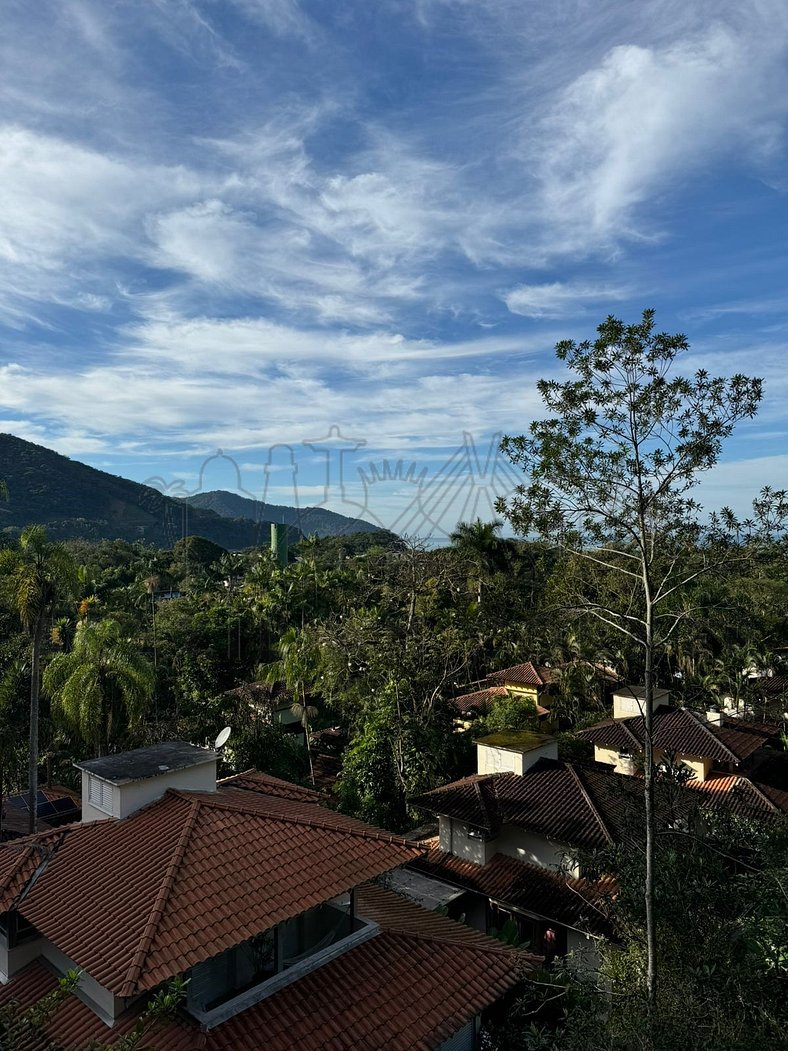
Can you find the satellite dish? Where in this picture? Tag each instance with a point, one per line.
(223, 738)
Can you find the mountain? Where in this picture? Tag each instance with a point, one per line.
(311, 521)
(76, 501)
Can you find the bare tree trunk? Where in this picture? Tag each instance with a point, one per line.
(648, 792)
(35, 690)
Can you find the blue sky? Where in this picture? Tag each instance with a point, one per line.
(237, 224)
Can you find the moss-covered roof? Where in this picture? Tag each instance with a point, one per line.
(516, 740)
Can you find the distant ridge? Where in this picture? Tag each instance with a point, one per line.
(312, 521)
(75, 501)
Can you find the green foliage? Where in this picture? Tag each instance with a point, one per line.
(513, 712)
(102, 686)
(19, 1026)
(723, 965)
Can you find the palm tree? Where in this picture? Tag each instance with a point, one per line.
(480, 543)
(36, 574)
(297, 669)
(102, 686)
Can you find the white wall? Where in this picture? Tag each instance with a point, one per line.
(631, 700)
(535, 848)
(128, 798)
(492, 759)
(455, 839)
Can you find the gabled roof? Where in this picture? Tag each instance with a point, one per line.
(743, 796)
(481, 700)
(685, 731)
(409, 988)
(527, 674)
(137, 901)
(267, 784)
(578, 903)
(551, 798)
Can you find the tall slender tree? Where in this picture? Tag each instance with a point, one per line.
(103, 686)
(610, 480)
(36, 574)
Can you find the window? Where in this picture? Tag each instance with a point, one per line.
(100, 794)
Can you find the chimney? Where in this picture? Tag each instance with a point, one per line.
(513, 751)
(117, 785)
(629, 701)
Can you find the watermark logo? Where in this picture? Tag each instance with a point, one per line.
(412, 498)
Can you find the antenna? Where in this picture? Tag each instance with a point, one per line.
(223, 738)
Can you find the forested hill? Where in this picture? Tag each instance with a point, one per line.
(76, 501)
(312, 521)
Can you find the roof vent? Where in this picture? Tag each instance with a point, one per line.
(117, 785)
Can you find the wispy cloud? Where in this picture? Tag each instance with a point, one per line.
(559, 299)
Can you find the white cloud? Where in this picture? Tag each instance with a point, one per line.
(558, 299)
(647, 117)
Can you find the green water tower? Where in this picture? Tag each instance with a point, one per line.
(279, 543)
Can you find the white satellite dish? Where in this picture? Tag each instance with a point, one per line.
(223, 738)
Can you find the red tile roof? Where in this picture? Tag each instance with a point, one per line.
(482, 700)
(551, 799)
(743, 796)
(137, 901)
(527, 674)
(578, 903)
(254, 781)
(685, 731)
(409, 988)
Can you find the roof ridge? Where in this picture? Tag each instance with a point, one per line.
(759, 792)
(423, 936)
(628, 729)
(704, 725)
(486, 814)
(578, 781)
(157, 909)
(362, 833)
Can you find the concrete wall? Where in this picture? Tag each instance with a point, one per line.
(128, 798)
(13, 960)
(699, 765)
(492, 759)
(455, 838)
(630, 700)
(605, 755)
(535, 848)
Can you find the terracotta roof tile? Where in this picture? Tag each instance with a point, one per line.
(527, 674)
(135, 902)
(254, 781)
(481, 700)
(685, 731)
(413, 985)
(551, 799)
(578, 903)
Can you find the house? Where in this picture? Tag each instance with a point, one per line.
(470, 706)
(257, 894)
(536, 682)
(707, 743)
(512, 834)
(271, 701)
(509, 837)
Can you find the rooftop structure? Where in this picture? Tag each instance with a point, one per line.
(259, 896)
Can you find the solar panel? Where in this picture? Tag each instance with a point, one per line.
(65, 805)
(57, 807)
